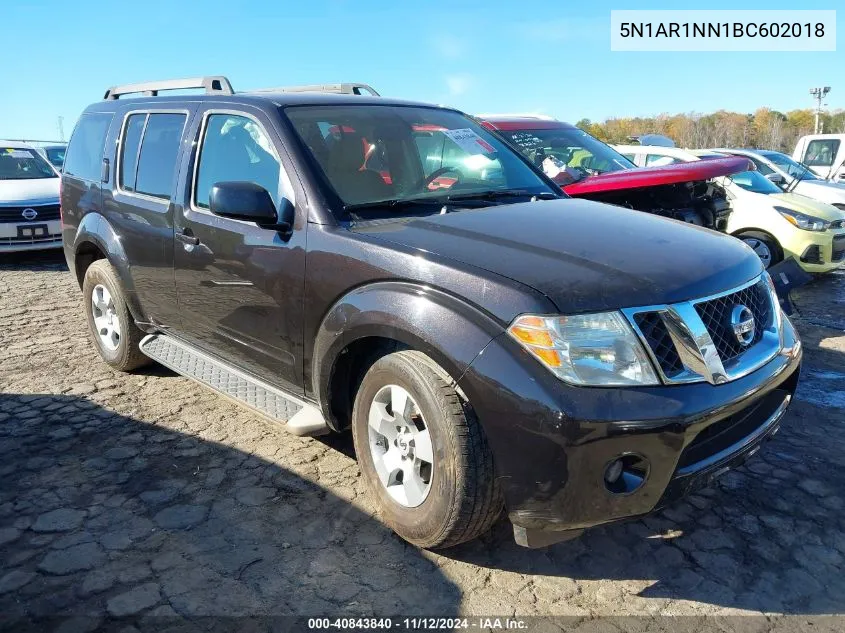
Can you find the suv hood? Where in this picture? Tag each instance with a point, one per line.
(807, 206)
(584, 256)
(29, 191)
(664, 175)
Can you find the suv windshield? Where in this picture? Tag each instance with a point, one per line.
(372, 154)
(790, 166)
(755, 182)
(22, 163)
(555, 149)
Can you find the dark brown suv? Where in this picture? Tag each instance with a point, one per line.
(342, 261)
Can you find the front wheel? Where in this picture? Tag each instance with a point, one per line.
(766, 248)
(422, 453)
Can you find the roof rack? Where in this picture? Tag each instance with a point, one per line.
(32, 141)
(344, 88)
(216, 84)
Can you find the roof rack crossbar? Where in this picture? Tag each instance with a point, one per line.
(342, 88)
(216, 84)
(32, 140)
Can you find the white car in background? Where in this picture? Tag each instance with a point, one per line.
(792, 176)
(777, 225)
(29, 200)
(53, 151)
(824, 154)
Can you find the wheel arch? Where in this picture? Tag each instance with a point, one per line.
(760, 233)
(96, 239)
(374, 320)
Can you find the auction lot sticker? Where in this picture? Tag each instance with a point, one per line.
(683, 30)
(469, 141)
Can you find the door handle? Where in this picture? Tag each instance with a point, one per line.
(187, 239)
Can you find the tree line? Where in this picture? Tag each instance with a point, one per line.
(765, 128)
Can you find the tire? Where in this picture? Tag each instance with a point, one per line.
(463, 499)
(125, 355)
(762, 243)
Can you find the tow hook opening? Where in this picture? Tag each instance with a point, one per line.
(625, 473)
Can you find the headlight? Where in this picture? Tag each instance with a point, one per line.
(586, 349)
(806, 222)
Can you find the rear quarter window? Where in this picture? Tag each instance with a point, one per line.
(84, 157)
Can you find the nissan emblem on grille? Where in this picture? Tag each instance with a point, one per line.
(742, 323)
(29, 214)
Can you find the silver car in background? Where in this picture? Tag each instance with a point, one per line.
(29, 200)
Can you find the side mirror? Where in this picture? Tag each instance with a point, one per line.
(775, 178)
(245, 201)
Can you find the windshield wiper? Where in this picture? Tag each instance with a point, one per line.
(500, 193)
(796, 180)
(394, 204)
(441, 201)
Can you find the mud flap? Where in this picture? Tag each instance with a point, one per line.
(787, 276)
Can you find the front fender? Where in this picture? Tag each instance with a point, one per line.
(94, 229)
(440, 325)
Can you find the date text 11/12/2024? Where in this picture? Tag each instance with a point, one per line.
(419, 624)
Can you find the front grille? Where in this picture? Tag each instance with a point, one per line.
(18, 241)
(838, 248)
(838, 224)
(732, 429)
(716, 316)
(45, 213)
(657, 336)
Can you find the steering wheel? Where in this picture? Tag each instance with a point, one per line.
(425, 182)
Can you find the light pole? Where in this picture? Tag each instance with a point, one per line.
(819, 94)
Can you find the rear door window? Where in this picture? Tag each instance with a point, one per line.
(129, 146)
(158, 155)
(84, 158)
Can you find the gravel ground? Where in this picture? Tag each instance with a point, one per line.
(145, 494)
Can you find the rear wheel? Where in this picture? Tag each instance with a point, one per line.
(110, 324)
(765, 246)
(423, 454)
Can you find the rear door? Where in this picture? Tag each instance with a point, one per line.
(147, 145)
(240, 286)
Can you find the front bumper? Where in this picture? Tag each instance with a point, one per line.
(818, 252)
(21, 236)
(553, 442)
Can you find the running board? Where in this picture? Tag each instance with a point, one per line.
(298, 417)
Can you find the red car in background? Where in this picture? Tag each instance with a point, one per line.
(584, 167)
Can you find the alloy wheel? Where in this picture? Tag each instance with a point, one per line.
(400, 446)
(761, 248)
(106, 321)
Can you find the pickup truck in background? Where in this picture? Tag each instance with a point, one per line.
(824, 154)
